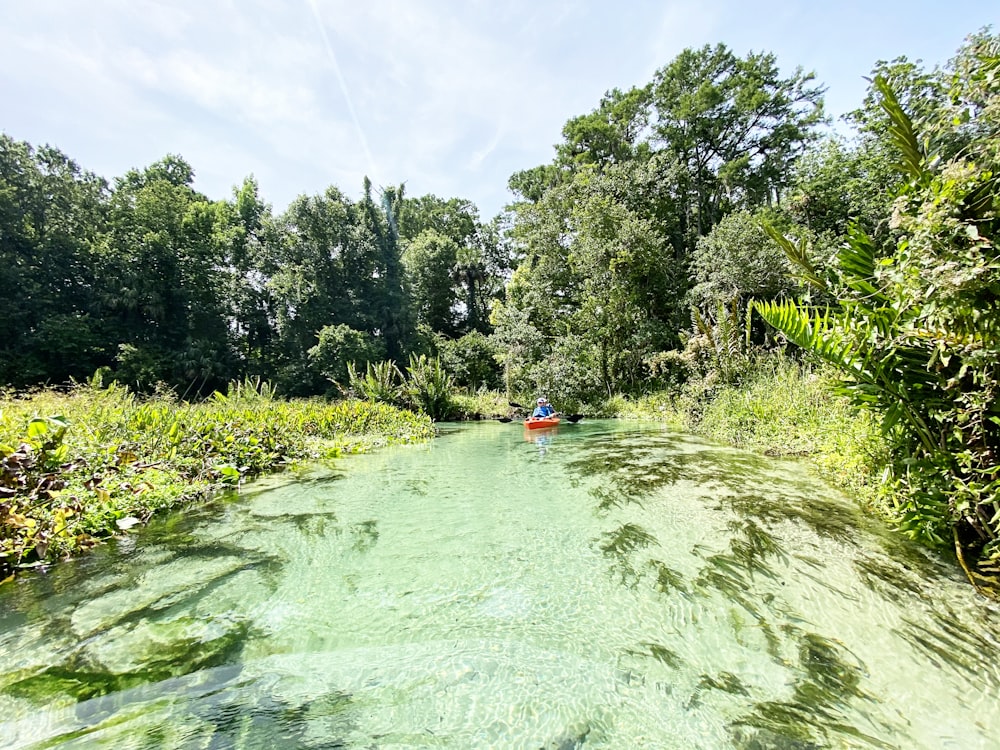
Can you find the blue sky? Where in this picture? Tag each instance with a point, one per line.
(449, 97)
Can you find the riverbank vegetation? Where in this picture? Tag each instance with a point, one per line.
(701, 243)
(786, 409)
(94, 461)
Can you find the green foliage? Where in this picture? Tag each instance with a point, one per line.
(455, 219)
(481, 404)
(161, 251)
(169, 289)
(382, 382)
(736, 261)
(611, 134)
(339, 346)
(735, 127)
(429, 386)
(786, 409)
(249, 390)
(782, 408)
(470, 360)
(392, 313)
(599, 287)
(428, 262)
(721, 343)
(837, 184)
(51, 215)
(916, 336)
(426, 385)
(111, 459)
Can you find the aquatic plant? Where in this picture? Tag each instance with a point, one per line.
(111, 459)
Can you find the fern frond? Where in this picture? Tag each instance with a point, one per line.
(704, 327)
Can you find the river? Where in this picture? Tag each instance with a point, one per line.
(606, 585)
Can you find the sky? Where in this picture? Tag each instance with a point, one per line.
(449, 97)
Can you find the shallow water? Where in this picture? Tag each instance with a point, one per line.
(608, 585)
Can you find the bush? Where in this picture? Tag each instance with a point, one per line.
(429, 387)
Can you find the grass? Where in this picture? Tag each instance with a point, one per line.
(784, 409)
(79, 466)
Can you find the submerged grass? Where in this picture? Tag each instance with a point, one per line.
(80, 465)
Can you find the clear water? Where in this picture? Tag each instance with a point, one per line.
(607, 586)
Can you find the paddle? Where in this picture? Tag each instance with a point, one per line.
(571, 418)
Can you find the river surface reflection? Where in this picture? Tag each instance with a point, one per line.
(612, 585)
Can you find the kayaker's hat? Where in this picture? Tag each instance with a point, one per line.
(541, 400)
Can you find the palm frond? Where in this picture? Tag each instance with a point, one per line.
(913, 160)
(798, 256)
(810, 330)
(856, 259)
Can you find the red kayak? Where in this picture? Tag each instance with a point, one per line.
(536, 423)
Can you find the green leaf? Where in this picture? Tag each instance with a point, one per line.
(37, 427)
(903, 136)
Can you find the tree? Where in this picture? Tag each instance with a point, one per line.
(469, 273)
(160, 261)
(611, 134)
(324, 272)
(599, 286)
(470, 360)
(836, 184)
(391, 304)
(340, 346)
(734, 125)
(455, 218)
(737, 261)
(251, 238)
(923, 95)
(51, 213)
(532, 184)
(428, 262)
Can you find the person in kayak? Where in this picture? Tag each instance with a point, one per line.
(543, 408)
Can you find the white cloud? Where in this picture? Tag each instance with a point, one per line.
(450, 97)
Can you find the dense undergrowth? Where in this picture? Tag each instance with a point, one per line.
(81, 465)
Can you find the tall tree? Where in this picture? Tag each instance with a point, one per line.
(161, 258)
(455, 218)
(613, 133)
(428, 262)
(325, 273)
(599, 285)
(252, 238)
(50, 215)
(735, 126)
(391, 304)
(837, 183)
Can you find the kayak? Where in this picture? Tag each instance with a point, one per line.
(535, 423)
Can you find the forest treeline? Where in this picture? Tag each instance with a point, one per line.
(153, 281)
(683, 233)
